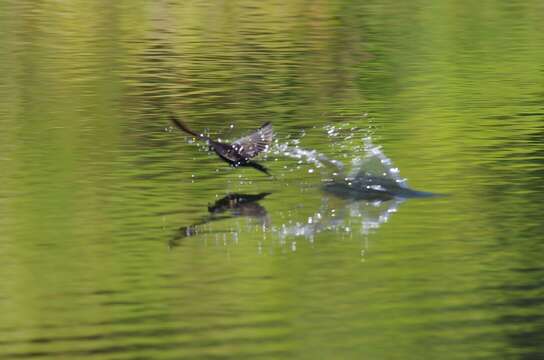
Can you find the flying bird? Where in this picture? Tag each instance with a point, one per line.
(241, 151)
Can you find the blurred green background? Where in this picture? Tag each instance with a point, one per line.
(95, 184)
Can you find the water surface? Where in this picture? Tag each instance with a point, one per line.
(96, 184)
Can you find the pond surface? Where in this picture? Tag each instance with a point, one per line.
(122, 238)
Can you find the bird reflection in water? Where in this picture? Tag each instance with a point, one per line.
(230, 206)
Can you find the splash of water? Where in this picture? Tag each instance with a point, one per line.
(375, 163)
(309, 156)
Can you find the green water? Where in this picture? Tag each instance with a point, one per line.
(95, 185)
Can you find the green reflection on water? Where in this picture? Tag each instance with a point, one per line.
(94, 188)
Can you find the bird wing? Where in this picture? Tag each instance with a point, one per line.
(251, 145)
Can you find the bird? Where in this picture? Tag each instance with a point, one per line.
(241, 151)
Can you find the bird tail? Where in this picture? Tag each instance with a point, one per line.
(184, 127)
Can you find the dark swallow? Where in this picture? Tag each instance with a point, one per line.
(241, 151)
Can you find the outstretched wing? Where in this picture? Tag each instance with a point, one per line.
(251, 145)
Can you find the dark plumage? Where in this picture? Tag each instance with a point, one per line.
(241, 151)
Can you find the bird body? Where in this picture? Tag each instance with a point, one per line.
(241, 151)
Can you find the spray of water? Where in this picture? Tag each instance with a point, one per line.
(308, 156)
(369, 159)
(374, 162)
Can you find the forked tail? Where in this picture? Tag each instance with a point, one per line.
(184, 127)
